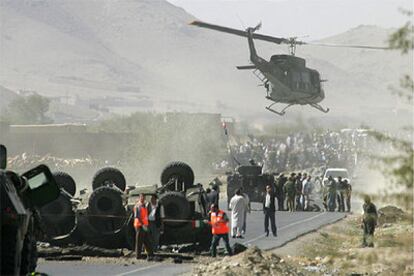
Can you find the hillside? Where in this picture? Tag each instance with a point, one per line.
(144, 55)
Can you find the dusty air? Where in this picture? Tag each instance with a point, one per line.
(206, 137)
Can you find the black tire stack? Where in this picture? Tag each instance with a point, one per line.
(106, 211)
(58, 217)
(176, 206)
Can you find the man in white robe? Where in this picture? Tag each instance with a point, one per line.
(238, 208)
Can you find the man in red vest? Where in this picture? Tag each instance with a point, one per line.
(142, 236)
(220, 229)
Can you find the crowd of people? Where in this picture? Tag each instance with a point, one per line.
(299, 151)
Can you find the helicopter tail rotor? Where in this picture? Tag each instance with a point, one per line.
(258, 26)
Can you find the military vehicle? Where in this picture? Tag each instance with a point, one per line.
(251, 180)
(286, 78)
(104, 217)
(21, 198)
(184, 207)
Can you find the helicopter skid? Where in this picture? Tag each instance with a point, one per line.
(281, 113)
(320, 108)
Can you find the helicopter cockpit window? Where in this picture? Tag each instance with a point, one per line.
(301, 81)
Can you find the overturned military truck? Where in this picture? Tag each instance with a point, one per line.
(104, 217)
(251, 180)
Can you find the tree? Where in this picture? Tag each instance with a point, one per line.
(399, 166)
(27, 110)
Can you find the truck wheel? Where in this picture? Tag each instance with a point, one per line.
(107, 176)
(106, 211)
(204, 240)
(58, 216)
(9, 258)
(29, 254)
(130, 234)
(179, 170)
(66, 182)
(176, 207)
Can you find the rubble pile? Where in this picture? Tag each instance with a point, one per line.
(25, 161)
(253, 261)
(390, 214)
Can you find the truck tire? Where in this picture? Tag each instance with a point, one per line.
(106, 211)
(29, 254)
(109, 175)
(176, 207)
(9, 258)
(249, 170)
(179, 170)
(66, 182)
(58, 216)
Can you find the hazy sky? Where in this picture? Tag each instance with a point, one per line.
(315, 18)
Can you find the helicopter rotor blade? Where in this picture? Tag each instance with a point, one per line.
(278, 40)
(243, 33)
(345, 46)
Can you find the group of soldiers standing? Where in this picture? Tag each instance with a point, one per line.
(337, 194)
(293, 193)
(295, 190)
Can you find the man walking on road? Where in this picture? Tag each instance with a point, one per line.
(269, 211)
(238, 209)
(219, 228)
(142, 237)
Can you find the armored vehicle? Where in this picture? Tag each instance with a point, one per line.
(104, 217)
(183, 204)
(21, 198)
(251, 180)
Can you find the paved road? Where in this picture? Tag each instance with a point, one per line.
(290, 226)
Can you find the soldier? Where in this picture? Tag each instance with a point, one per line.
(290, 192)
(348, 192)
(306, 191)
(369, 221)
(341, 195)
(280, 193)
(331, 194)
(214, 196)
(298, 193)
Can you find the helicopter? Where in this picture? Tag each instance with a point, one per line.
(286, 78)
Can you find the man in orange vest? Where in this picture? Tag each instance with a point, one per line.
(220, 229)
(141, 228)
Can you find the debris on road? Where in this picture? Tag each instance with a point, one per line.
(84, 250)
(253, 261)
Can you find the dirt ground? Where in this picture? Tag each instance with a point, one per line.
(337, 249)
(332, 250)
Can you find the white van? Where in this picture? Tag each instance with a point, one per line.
(335, 173)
